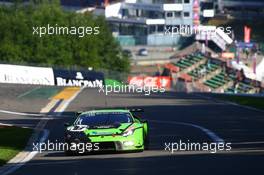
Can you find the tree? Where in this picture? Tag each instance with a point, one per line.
(19, 44)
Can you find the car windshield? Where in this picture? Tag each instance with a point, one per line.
(103, 118)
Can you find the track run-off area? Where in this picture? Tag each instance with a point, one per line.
(172, 117)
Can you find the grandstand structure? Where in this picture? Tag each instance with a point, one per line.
(206, 74)
(220, 81)
(204, 71)
(217, 35)
(242, 88)
(190, 62)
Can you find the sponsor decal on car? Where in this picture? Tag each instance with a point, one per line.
(101, 133)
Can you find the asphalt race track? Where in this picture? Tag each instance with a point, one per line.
(172, 117)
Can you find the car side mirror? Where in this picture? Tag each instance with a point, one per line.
(135, 110)
(78, 113)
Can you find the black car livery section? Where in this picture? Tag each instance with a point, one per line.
(91, 79)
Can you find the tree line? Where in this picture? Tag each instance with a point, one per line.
(19, 44)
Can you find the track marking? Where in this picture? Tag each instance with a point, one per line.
(23, 157)
(57, 103)
(67, 93)
(209, 133)
(242, 106)
(66, 102)
(28, 92)
(3, 124)
(21, 113)
(20, 159)
(228, 102)
(48, 159)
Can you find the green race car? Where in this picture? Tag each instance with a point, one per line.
(104, 130)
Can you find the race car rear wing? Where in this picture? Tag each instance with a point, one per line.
(132, 110)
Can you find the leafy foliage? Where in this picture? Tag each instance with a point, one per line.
(18, 44)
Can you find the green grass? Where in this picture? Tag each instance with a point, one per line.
(111, 82)
(256, 102)
(12, 141)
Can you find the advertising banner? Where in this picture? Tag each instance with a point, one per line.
(158, 81)
(245, 45)
(196, 13)
(26, 75)
(208, 13)
(247, 32)
(78, 78)
(228, 55)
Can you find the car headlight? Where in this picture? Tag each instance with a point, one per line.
(129, 131)
(128, 143)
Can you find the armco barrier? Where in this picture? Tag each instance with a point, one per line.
(48, 76)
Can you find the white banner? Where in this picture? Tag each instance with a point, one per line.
(208, 13)
(247, 70)
(26, 75)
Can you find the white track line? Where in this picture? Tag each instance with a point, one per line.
(16, 162)
(209, 133)
(48, 116)
(21, 113)
(66, 103)
(241, 106)
(28, 92)
(228, 102)
(3, 124)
